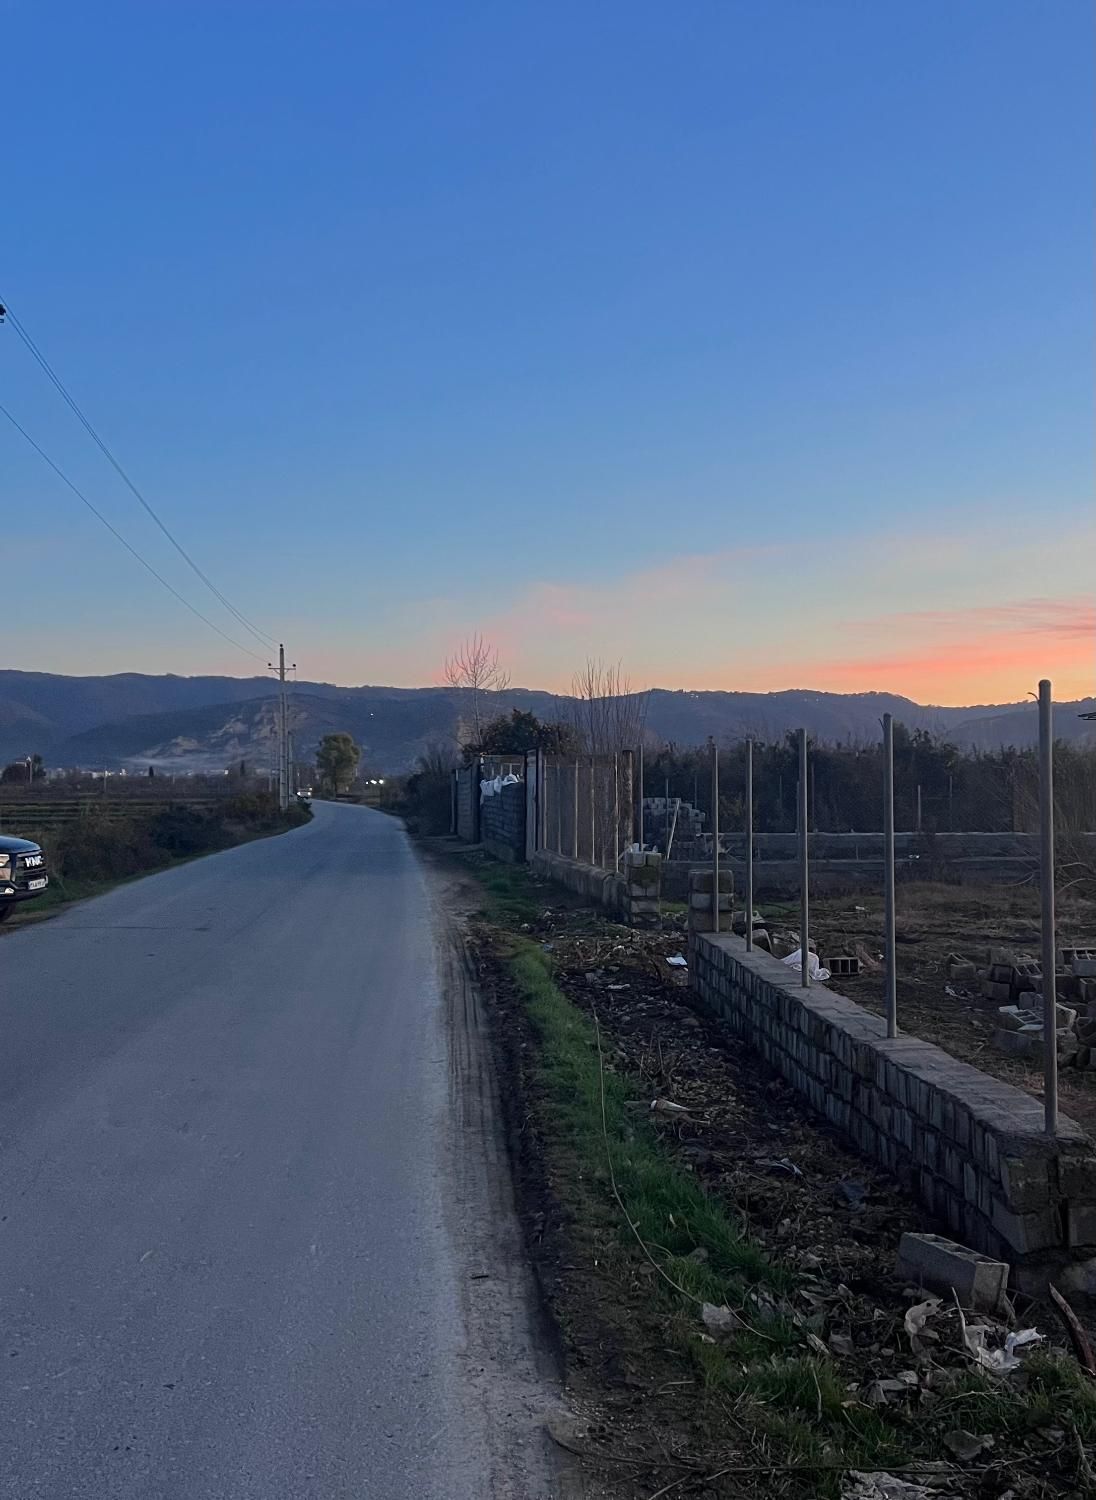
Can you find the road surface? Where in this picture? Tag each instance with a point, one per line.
(256, 1238)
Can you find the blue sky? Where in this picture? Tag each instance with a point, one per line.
(750, 342)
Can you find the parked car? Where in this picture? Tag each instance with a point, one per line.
(23, 873)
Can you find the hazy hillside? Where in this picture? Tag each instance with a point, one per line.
(207, 722)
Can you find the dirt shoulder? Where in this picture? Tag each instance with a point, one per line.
(718, 1268)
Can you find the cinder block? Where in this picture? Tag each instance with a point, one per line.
(940, 1264)
(1081, 1218)
(1077, 1176)
(1025, 1044)
(993, 990)
(962, 969)
(1026, 1233)
(1025, 1182)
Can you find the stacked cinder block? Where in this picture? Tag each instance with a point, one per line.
(701, 885)
(642, 888)
(970, 1147)
(1018, 985)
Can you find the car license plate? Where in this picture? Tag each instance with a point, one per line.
(39, 884)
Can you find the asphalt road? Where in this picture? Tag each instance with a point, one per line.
(256, 1240)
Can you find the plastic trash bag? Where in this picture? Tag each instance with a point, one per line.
(814, 967)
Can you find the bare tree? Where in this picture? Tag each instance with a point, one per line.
(607, 714)
(475, 670)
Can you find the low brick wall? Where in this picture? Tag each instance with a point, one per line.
(600, 886)
(502, 822)
(632, 896)
(969, 1146)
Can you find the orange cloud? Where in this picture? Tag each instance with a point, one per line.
(984, 653)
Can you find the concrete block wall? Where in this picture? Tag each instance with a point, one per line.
(970, 1147)
(602, 887)
(642, 903)
(502, 822)
(632, 896)
(701, 912)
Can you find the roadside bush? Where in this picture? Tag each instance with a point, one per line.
(93, 847)
(182, 830)
(98, 848)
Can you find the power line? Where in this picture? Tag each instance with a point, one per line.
(116, 533)
(55, 379)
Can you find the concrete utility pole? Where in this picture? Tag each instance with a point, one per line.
(283, 730)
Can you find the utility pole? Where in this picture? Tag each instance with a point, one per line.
(283, 730)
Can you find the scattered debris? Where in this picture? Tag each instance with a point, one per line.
(933, 1261)
(677, 961)
(964, 1446)
(668, 1107)
(882, 1486)
(1077, 1336)
(998, 1361)
(814, 966)
(720, 1320)
(781, 1165)
(916, 1318)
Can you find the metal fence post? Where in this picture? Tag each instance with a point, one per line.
(889, 952)
(639, 795)
(616, 811)
(1046, 892)
(749, 845)
(804, 912)
(715, 834)
(574, 825)
(557, 768)
(593, 816)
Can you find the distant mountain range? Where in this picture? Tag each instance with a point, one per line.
(206, 723)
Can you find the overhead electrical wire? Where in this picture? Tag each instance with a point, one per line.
(98, 514)
(59, 385)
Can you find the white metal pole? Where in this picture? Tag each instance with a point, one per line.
(749, 845)
(889, 954)
(616, 811)
(804, 913)
(1046, 891)
(715, 833)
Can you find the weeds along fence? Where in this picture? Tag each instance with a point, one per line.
(588, 807)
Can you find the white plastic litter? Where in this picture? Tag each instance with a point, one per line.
(678, 962)
(996, 1361)
(814, 967)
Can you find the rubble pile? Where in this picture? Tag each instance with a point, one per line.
(1015, 981)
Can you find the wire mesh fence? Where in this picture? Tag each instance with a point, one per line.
(588, 807)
